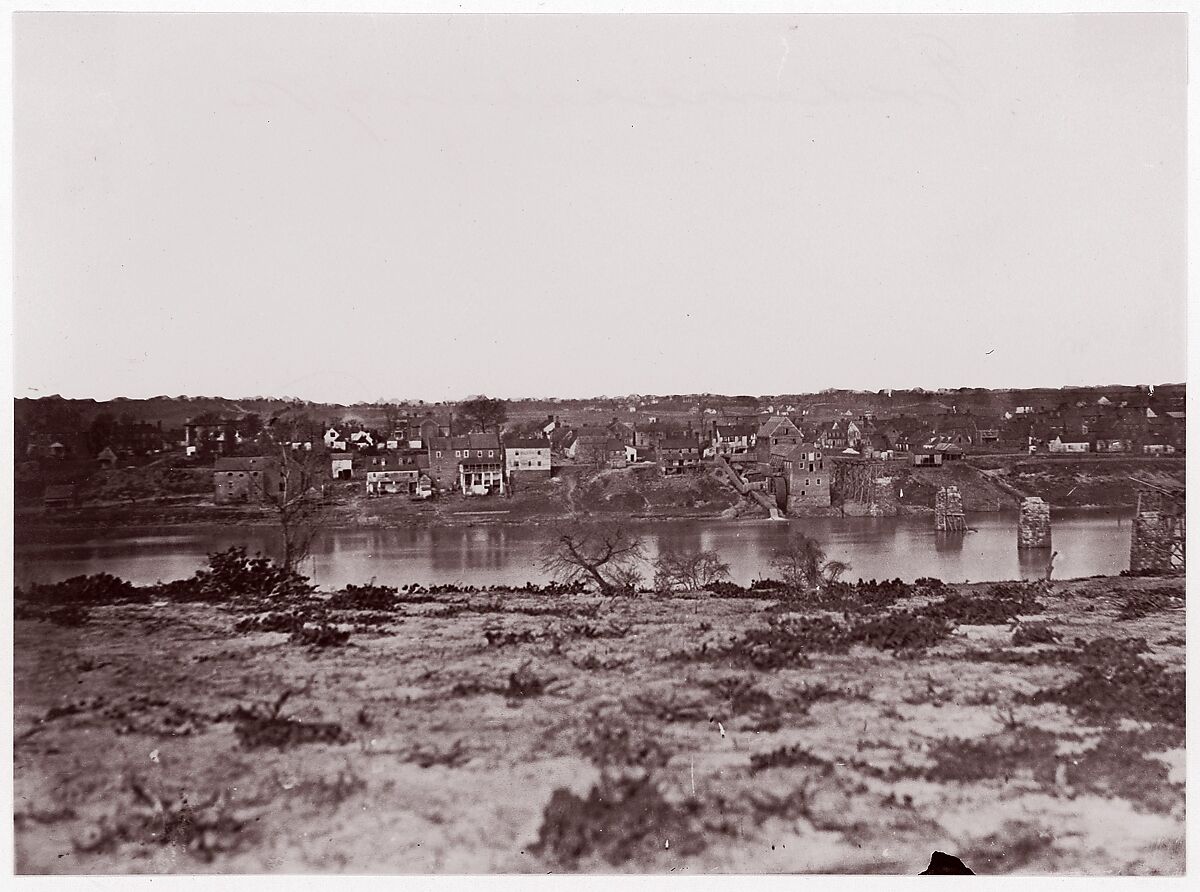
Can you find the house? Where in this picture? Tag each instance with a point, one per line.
(205, 432)
(732, 440)
(362, 439)
(875, 445)
(481, 476)
(392, 482)
(342, 467)
(1069, 443)
(678, 455)
(482, 453)
(60, 496)
(831, 436)
(527, 459)
(1105, 438)
(949, 451)
(401, 460)
(927, 456)
(107, 458)
(988, 430)
(653, 432)
(806, 479)
(622, 431)
(248, 479)
(778, 430)
(599, 448)
(334, 440)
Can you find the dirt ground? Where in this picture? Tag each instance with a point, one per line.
(492, 732)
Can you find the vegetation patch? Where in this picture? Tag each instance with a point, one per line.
(621, 819)
(1000, 605)
(257, 727)
(95, 590)
(796, 756)
(365, 597)
(320, 636)
(1115, 681)
(204, 828)
(1138, 604)
(610, 741)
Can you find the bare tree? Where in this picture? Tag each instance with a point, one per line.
(606, 554)
(294, 494)
(688, 572)
(804, 564)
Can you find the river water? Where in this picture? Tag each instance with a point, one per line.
(1088, 542)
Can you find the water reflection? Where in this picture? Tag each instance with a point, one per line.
(1034, 562)
(1087, 542)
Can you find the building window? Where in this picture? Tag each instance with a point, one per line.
(818, 481)
(438, 454)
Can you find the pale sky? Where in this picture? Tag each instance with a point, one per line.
(352, 207)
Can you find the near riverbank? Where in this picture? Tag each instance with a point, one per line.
(1026, 729)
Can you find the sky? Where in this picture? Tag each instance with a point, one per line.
(355, 207)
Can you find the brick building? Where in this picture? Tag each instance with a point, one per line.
(244, 479)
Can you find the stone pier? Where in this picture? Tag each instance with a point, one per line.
(1033, 527)
(948, 514)
(1158, 533)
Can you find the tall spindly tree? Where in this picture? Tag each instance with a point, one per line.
(295, 495)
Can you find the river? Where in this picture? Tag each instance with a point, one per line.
(1088, 542)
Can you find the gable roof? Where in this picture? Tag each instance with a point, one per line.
(778, 425)
(735, 430)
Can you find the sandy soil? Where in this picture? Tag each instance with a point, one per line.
(152, 738)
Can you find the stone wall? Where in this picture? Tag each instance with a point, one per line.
(1033, 527)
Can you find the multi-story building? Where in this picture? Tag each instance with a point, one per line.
(244, 479)
(679, 455)
(467, 462)
(732, 440)
(527, 459)
(806, 477)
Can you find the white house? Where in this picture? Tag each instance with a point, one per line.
(527, 458)
(391, 482)
(1069, 444)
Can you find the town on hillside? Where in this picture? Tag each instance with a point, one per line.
(790, 456)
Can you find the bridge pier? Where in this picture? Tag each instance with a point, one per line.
(1158, 539)
(1033, 527)
(948, 514)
